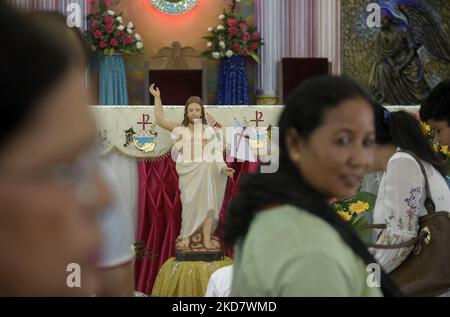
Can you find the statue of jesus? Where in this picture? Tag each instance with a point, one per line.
(201, 182)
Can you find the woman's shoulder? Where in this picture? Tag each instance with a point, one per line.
(405, 158)
(405, 162)
(291, 224)
(288, 239)
(285, 215)
(401, 154)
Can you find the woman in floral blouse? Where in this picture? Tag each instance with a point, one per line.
(401, 195)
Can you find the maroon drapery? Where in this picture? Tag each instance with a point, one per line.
(159, 218)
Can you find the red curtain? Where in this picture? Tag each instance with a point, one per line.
(159, 218)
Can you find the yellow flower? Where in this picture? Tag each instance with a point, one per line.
(444, 149)
(345, 215)
(435, 147)
(359, 207)
(425, 128)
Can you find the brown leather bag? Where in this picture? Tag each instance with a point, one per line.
(426, 271)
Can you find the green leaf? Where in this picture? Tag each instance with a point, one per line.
(358, 224)
(367, 197)
(254, 56)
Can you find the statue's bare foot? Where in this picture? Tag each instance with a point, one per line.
(215, 244)
(208, 245)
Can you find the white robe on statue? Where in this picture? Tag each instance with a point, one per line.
(202, 186)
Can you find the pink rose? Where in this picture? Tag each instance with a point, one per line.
(232, 22)
(238, 7)
(109, 29)
(246, 36)
(230, 4)
(233, 31)
(114, 43)
(245, 52)
(256, 35)
(254, 46)
(98, 34)
(236, 47)
(107, 2)
(109, 20)
(128, 40)
(121, 34)
(243, 26)
(103, 45)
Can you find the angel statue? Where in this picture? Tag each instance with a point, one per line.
(398, 77)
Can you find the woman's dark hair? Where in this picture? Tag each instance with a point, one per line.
(191, 100)
(403, 130)
(39, 49)
(304, 112)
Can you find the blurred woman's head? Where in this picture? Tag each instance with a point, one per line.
(327, 133)
(49, 191)
(401, 129)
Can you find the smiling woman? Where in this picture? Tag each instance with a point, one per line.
(282, 224)
(174, 6)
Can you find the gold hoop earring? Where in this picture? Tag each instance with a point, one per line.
(296, 157)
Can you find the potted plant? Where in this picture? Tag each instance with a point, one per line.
(231, 41)
(111, 37)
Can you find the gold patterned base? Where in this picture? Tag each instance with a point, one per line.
(267, 100)
(185, 279)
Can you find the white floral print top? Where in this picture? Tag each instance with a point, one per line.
(400, 203)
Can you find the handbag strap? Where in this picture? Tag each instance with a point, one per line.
(405, 244)
(429, 205)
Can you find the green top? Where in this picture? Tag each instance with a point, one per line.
(290, 253)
